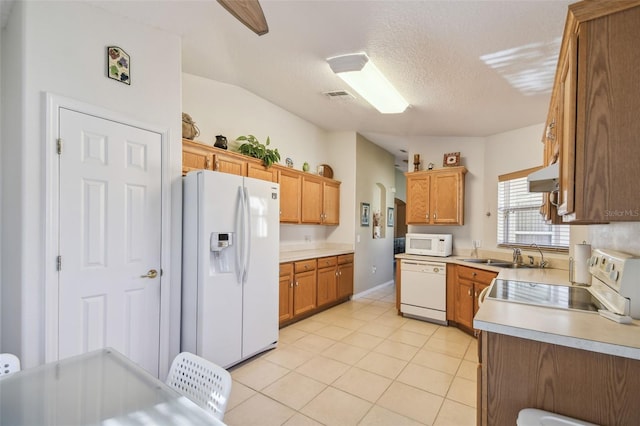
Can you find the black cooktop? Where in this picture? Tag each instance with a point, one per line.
(553, 296)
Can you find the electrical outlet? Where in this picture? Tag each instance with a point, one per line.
(357, 238)
(477, 243)
(373, 269)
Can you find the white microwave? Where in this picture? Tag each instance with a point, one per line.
(429, 244)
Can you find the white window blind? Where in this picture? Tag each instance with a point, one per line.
(519, 218)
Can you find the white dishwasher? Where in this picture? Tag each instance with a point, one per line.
(423, 291)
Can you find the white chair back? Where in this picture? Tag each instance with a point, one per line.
(9, 363)
(203, 382)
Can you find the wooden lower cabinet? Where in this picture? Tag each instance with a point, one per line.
(286, 291)
(345, 276)
(315, 285)
(327, 280)
(517, 373)
(468, 285)
(304, 287)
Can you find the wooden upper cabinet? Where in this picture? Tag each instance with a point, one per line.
(436, 197)
(596, 92)
(225, 163)
(320, 200)
(311, 199)
(290, 195)
(195, 156)
(447, 198)
(259, 171)
(331, 203)
(304, 197)
(418, 191)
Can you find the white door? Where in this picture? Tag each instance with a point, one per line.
(109, 234)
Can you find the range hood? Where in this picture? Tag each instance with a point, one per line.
(544, 180)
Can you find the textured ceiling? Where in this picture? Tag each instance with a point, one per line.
(468, 68)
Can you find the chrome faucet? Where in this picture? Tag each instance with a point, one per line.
(517, 256)
(543, 262)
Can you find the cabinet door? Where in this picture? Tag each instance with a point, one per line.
(286, 292)
(311, 199)
(418, 199)
(345, 280)
(261, 172)
(290, 195)
(478, 287)
(304, 292)
(326, 285)
(447, 199)
(331, 203)
(228, 164)
(464, 302)
(567, 131)
(195, 156)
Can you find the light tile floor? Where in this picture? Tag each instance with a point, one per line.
(359, 363)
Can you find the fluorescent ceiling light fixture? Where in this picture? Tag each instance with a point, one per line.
(361, 74)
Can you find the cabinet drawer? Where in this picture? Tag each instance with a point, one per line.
(286, 269)
(477, 275)
(345, 258)
(305, 265)
(327, 262)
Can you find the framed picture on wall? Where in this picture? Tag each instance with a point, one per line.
(364, 214)
(390, 216)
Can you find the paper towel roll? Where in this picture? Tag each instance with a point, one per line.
(581, 256)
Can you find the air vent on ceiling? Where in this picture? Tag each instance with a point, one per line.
(339, 95)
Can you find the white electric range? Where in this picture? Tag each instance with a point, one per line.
(614, 291)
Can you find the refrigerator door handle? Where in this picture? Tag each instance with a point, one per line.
(246, 236)
(239, 232)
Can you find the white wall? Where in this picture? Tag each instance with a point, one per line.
(341, 148)
(372, 252)
(60, 47)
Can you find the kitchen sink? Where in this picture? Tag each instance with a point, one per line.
(500, 263)
(486, 261)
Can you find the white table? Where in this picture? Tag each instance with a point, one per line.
(97, 388)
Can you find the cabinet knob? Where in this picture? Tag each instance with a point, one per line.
(434, 215)
(469, 292)
(427, 215)
(297, 284)
(474, 273)
(291, 284)
(207, 163)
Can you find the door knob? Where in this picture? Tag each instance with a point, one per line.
(151, 274)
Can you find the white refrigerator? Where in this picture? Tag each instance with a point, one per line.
(230, 264)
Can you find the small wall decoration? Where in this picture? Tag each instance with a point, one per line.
(390, 216)
(451, 159)
(364, 214)
(118, 65)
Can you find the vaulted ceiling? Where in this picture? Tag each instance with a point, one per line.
(468, 68)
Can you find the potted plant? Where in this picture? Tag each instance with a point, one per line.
(253, 148)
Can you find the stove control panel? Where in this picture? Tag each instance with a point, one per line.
(621, 272)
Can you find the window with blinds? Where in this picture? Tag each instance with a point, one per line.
(519, 220)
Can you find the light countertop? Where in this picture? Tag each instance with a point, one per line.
(295, 255)
(576, 329)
